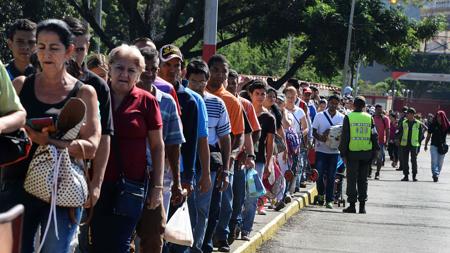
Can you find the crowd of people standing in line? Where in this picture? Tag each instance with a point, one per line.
(185, 131)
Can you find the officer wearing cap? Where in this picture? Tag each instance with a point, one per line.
(400, 150)
(358, 143)
(410, 136)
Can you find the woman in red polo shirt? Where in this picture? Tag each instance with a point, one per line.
(137, 120)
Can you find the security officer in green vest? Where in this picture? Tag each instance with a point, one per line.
(410, 136)
(358, 147)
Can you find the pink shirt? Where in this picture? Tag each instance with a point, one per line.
(382, 123)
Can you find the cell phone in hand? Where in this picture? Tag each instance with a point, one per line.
(39, 123)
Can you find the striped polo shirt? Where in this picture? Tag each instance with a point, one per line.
(218, 120)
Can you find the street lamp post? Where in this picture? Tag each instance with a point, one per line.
(346, 73)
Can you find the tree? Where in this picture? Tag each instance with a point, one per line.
(34, 10)
(381, 32)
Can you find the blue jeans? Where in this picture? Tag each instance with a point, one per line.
(380, 155)
(437, 160)
(199, 209)
(302, 163)
(250, 204)
(226, 210)
(238, 198)
(36, 213)
(110, 232)
(213, 218)
(326, 165)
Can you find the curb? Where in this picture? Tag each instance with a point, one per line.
(266, 232)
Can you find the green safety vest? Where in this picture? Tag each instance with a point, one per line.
(360, 131)
(414, 136)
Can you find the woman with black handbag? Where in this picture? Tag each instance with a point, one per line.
(437, 132)
(137, 121)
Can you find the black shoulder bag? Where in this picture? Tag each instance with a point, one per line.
(130, 197)
(14, 147)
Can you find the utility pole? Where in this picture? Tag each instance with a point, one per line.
(98, 18)
(210, 30)
(288, 60)
(348, 47)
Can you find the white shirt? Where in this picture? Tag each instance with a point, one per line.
(297, 116)
(321, 124)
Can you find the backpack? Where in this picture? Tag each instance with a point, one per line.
(292, 140)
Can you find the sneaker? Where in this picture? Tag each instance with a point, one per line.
(245, 236)
(280, 205)
(320, 200)
(223, 246)
(329, 205)
(377, 176)
(399, 169)
(370, 175)
(415, 179)
(287, 199)
(435, 179)
(405, 178)
(261, 210)
(233, 236)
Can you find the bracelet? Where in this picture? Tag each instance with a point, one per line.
(158, 187)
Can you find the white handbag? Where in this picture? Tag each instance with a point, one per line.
(53, 176)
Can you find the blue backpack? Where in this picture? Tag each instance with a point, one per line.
(292, 140)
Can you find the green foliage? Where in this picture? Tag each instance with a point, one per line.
(427, 63)
(34, 10)
(381, 32)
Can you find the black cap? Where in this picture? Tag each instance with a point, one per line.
(411, 110)
(359, 101)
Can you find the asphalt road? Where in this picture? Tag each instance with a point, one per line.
(401, 217)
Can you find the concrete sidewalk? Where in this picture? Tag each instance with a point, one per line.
(265, 226)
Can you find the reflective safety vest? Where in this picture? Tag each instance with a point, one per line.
(360, 131)
(414, 136)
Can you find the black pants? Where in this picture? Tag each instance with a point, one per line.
(393, 152)
(406, 151)
(357, 180)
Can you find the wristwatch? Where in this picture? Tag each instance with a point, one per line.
(226, 173)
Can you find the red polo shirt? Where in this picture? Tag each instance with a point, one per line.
(134, 118)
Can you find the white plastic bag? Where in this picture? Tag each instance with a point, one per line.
(178, 228)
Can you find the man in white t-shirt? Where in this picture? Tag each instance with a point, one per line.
(326, 157)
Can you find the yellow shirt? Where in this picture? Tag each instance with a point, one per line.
(9, 101)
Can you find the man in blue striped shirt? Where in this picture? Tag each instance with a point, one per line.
(218, 133)
(151, 225)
